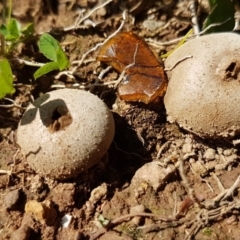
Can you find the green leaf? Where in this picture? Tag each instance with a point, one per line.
(28, 30)
(212, 3)
(48, 46)
(48, 67)
(6, 78)
(62, 59)
(3, 30)
(14, 30)
(221, 10)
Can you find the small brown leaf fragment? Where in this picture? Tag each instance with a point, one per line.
(145, 79)
(185, 205)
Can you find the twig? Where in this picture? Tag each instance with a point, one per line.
(176, 63)
(188, 187)
(8, 172)
(125, 218)
(163, 147)
(80, 19)
(208, 184)
(237, 16)
(29, 63)
(4, 7)
(174, 41)
(67, 73)
(103, 72)
(230, 191)
(221, 187)
(14, 104)
(213, 25)
(102, 43)
(91, 12)
(193, 7)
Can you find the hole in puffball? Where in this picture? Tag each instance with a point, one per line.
(61, 118)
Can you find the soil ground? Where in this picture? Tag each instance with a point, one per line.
(157, 181)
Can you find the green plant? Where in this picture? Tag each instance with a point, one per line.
(220, 12)
(11, 34)
(6, 78)
(52, 50)
(103, 221)
(207, 231)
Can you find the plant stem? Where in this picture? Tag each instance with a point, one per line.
(9, 10)
(3, 22)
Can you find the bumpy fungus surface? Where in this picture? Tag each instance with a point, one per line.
(144, 79)
(203, 94)
(65, 132)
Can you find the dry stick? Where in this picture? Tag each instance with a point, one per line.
(157, 227)
(174, 41)
(67, 73)
(14, 104)
(189, 189)
(79, 20)
(201, 219)
(208, 184)
(237, 16)
(70, 73)
(92, 11)
(103, 72)
(125, 218)
(192, 7)
(176, 63)
(163, 147)
(4, 7)
(157, 43)
(230, 191)
(102, 43)
(29, 63)
(205, 215)
(213, 25)
(8, 172)
(221, 187)
(120, 78)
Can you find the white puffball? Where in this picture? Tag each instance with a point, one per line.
(203, 95)
(65, 132)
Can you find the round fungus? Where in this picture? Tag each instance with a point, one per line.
(203, 91)
(65, 132)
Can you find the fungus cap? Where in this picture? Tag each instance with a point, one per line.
(203, 94)
(65, 132)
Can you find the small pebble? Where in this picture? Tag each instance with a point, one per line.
(231, 220)
(153, 174)
(227, 152)
(209, 154)
(11, 199)
(23, 233)
(134, 210)
(44, 212)
(199, 168)
(153, 25)
(187, 148)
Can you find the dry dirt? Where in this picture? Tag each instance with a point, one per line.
(156, 181)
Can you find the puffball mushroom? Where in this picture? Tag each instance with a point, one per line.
(203, 94)
(65, 132)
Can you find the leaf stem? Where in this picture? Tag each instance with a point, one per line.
(3, 22)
